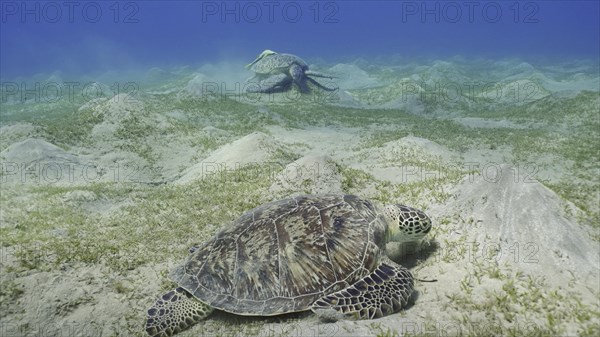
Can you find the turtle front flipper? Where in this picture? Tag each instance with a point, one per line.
(297, 73)
(174, 312)
(385, 291)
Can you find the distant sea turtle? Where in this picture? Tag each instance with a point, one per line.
(317, 252)
(276, 72)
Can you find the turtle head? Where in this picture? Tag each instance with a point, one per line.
(262, 55)
(406, 224)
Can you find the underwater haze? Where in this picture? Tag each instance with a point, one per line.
(268, 168)
(87, 37)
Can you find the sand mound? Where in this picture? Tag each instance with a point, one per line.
(311, 174)
(349, 76)
(516, 92)
(511, 69)
(223, 78)
(254, 149)
(404, 93)
(15, 132)
(515, 211)
(503, 249)
(74, 300)
(197, 84)
(212, 132)
(37, 161)
(405, 160)
(36, 150)
(115, 111)
(572, 86)
(418, 144)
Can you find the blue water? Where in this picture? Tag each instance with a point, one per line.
(96, 36)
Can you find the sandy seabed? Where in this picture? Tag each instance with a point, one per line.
(102, 197)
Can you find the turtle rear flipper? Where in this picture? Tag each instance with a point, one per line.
(324, 87)
(385, 291)
(174, 312)
(318, 74)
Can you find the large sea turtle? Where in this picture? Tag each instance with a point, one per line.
(317, 252)
(274, 72)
